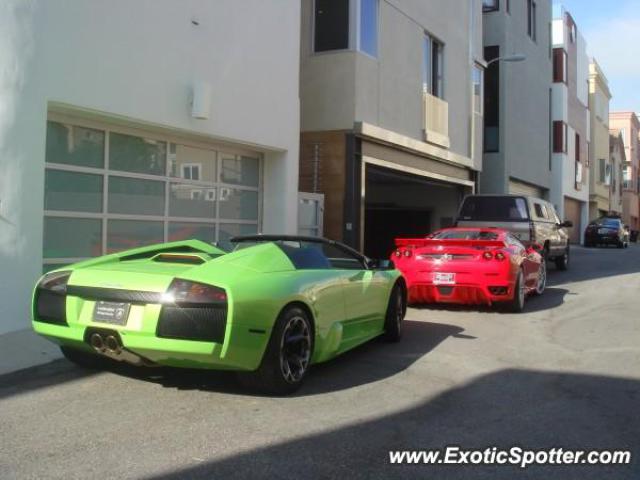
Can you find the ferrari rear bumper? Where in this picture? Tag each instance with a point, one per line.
(422, 293)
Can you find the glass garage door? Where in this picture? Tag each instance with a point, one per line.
(110, 189)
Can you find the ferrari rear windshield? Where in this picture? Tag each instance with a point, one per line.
(495, 209)
(465, 235)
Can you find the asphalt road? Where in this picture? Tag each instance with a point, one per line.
(565, 373)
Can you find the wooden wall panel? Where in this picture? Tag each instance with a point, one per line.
(329, 150)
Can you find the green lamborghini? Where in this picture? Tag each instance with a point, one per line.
(269, 308)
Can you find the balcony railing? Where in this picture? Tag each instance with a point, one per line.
(436, 120)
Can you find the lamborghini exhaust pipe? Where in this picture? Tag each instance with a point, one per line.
(97, 342)
(113, 345)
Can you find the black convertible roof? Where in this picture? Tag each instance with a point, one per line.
(292, 238)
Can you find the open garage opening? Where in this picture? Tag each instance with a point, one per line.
(399, 204)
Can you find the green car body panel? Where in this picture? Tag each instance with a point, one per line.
(347, 307)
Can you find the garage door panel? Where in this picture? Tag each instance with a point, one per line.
(572, 212)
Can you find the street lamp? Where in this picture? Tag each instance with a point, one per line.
(515, 57)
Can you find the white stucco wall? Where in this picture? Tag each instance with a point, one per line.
(137, 62)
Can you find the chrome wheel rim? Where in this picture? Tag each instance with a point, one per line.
(542, 278)
(295, 349)
(521, 288)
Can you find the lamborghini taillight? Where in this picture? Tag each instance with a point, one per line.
(194, 293)
(51, 298)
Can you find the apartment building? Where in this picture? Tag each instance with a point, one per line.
(391, 94)
(128, 123)
(570, 127)
(603, 172)
(517, 98)
(617, 160)
(628, 126)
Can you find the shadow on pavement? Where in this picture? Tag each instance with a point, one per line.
(42, 376)
(530, 409)
(371, 362)
(368, 363)
(551, 298)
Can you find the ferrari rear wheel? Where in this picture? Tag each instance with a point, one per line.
(286, 361)
(395, 315)
(542, 278)
(516, 305)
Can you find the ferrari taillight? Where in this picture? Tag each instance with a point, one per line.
(407, 253)
(397, 253)
(194, 293)
(500, 256)
(487, 255)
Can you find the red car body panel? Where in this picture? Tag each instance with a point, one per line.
(465, 271)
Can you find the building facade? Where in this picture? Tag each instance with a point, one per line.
(163, 120)
(570, 123)
(603, 170)
(628, 125)
(517, 98)
(617, 160)
(392, 104)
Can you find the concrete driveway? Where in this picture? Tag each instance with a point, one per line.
(566, 373)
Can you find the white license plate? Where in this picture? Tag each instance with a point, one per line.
(444, 278)
(604, 231)
(115, 313)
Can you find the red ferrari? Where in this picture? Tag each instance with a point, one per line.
(470, 266)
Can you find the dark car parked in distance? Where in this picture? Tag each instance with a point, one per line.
(608, 230)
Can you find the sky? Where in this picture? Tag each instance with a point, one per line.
(611, 29)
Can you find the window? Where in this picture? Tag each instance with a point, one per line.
(331, 25)
(458, 234)
(346, 24)
(626, 178)
(478, 89)
(531, 19)
(572, 30)
(492, 101)
(508, 6)
(432, 67)
(559, 65)
(513, 241)
(492, 209)
(191, 171)
(577, 160)
(490, 5)
(601, 170)
(115, 190)
(539, 210)
(368, 41)
(559, 137)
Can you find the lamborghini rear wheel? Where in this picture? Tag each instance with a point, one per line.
(286, 361)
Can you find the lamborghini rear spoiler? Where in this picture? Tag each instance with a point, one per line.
(425, 242)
